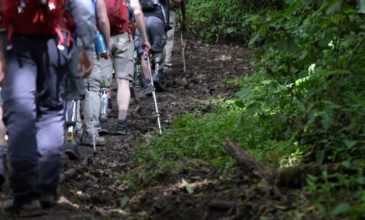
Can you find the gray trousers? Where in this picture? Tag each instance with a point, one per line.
(170, 40)
(34, 109)
(156, 35)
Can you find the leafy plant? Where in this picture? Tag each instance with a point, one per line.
(225, 23)
(304, 103)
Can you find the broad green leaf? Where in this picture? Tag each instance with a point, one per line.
(335, 7)
(350, 143)
(230, 30)
(254, 39)
(266, 82)
(340, 209)
(361, 5)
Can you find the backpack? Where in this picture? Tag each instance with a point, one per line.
(149, 5)
(33, 17)
(118, 14)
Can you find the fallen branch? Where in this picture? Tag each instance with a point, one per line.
(294, 177)
(248, 164)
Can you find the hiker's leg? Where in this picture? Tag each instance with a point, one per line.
(19, 90)
(170, 41)
(50, 116)
(75, 91)
(157, 37)
(123, 48)
(91, 104)
(92, 110)
(157, 34)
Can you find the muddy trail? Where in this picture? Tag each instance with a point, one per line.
(92, 188)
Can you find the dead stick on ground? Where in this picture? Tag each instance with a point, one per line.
(248, 163)
(291, 176)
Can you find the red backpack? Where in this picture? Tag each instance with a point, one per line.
(118, 14)
(33, 17)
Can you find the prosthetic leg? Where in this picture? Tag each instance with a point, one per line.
(158, 77)
(104, 102)
(70, 145)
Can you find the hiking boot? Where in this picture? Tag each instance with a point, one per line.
(78, 136)
(138, 81)
(87, 139)
(71, 150)
(122, 127)
(159, 82)
(28, 209)
(48, 200)
(103, 125)
(148, 89)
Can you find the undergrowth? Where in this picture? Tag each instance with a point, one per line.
(304, 104)
(225, 23)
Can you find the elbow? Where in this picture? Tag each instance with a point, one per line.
(138, 13)
(103, 22)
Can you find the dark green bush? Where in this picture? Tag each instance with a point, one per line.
(222, 20)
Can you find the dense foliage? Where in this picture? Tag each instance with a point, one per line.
(224, 19)
(304, 103)
(312, 63)
(309, 85)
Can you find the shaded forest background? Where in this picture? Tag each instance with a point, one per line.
(301, 105)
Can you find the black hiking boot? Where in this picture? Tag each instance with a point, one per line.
(48, 200)
(103, 125)
(88, 139)
(138, 81)
(122, 127)
(71, 150)
(148, 89)
(27, 209)
(159, 82)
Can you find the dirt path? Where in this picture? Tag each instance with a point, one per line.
(92, 188)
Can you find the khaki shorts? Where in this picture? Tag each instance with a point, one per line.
(122, 48)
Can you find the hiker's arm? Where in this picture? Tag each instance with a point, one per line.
(103, 21)
(140, 23)
(84, 17)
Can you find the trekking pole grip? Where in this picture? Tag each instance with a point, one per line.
(145, 54)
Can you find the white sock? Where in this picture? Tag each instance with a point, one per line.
(122, 115)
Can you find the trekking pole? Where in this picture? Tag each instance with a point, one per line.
(147, 59)
(182, 28)
(92, 120)
(183, 51)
